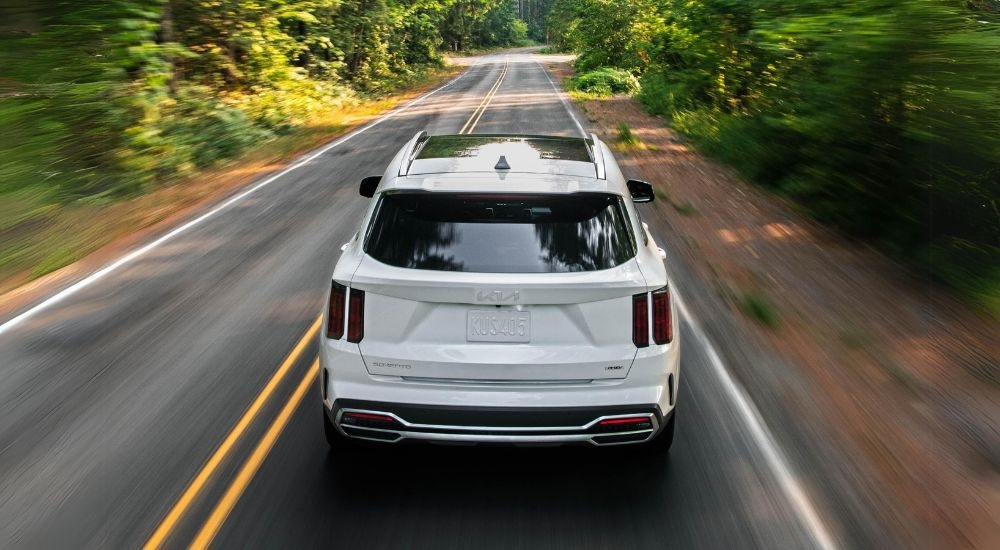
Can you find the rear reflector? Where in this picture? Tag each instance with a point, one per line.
(663, 330)
(369, 416)
(613, 421)
(356, 316)
(335, 317)
(640, 320)
(631, 424)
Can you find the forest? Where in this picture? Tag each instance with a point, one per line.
(878, 117)
(109, 98)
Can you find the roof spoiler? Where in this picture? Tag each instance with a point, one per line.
(410, 152)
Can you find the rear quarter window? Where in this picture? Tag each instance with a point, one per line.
(492, 233)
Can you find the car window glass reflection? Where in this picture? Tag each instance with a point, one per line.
(501, 233)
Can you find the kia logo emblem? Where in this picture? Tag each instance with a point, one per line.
(498, 296)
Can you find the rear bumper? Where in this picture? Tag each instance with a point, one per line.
(508, 412)
(397, 423)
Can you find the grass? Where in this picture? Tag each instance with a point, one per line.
(39, 235)
(684, 209)
(757, 306)
(626, 136)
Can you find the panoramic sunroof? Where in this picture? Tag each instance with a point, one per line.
(550, 148)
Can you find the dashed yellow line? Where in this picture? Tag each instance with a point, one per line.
(250, 467)
(470, 124)
(176, 513)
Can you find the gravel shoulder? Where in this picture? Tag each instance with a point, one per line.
(884, 390)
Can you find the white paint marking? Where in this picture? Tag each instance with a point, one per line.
(562, 99)
(762, 436)
(757, 428)
(110, 268)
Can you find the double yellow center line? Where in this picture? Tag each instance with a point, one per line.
(250, 467)
(470, 124)
(210, 528)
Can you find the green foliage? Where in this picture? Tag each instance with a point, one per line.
(604, 32)
(625, 134)
(110, 98)
(194, 118)
(757, 306)
(606, 81)
(879, 117)
(500, 26)
(101, 101)
(471, 24)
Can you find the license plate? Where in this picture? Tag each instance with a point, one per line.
(498, 325)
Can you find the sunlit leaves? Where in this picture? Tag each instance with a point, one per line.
(881, 117)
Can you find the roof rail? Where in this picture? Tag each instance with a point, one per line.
(599, 158)
(410, 151)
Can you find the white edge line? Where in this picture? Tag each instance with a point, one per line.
(775, 458)
(113, 266)
(762, 436)
(562, 99)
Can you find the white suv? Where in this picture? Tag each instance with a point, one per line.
(501, 289)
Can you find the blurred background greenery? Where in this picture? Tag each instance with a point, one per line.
(879, 117)
(109, 97)
(104, 101)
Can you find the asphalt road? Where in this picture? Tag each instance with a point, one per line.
(115, 397)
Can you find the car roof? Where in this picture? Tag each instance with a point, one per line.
(502, 162)
(521, 155)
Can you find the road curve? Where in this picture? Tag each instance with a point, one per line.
(118, 395)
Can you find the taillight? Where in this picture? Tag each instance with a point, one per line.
(356, 316)
(640, 320)
(663, 329)
(335, 319)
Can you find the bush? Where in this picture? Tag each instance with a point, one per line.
(973, 269)
(606, 81)
(883, 124)
(291, 103)
(196, 130)
(666, 93)
(625, 134)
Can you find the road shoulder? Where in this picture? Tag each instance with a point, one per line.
(880, 387)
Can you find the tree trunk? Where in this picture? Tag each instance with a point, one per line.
(166, 36)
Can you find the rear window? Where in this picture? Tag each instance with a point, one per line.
(501, 233)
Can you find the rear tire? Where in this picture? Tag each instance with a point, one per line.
(665, 439)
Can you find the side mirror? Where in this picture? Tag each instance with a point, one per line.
(369, 185)
(640, 191)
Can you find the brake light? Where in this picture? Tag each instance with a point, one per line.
(663, 327)
(640, 320)
(356, 316)
(335, 317)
